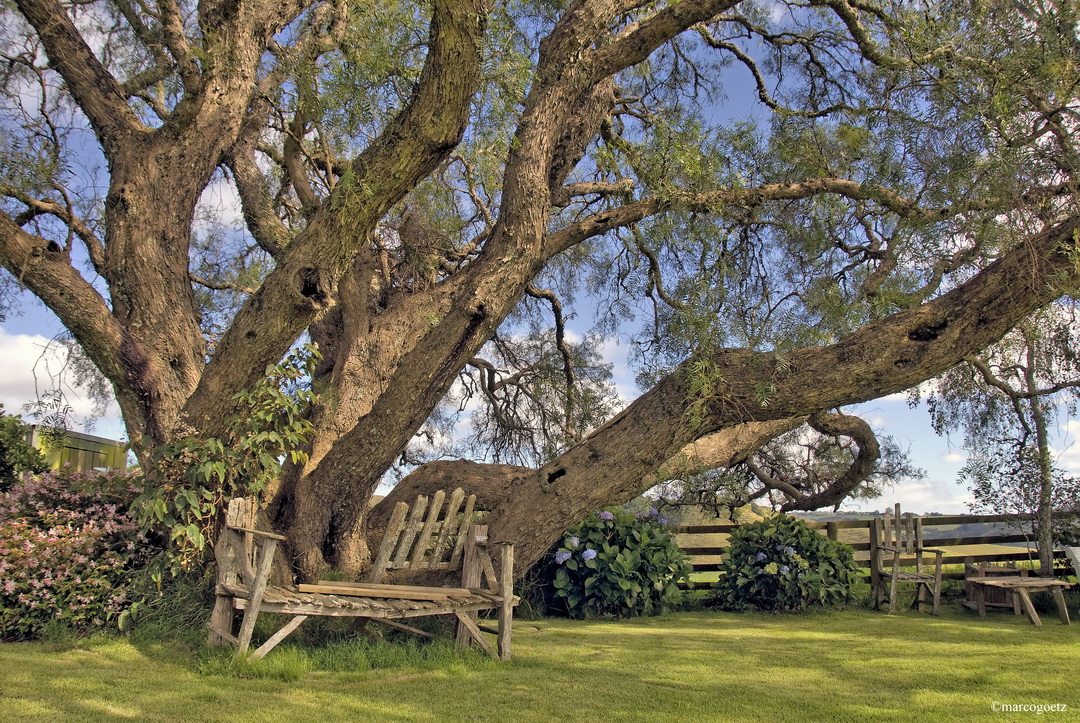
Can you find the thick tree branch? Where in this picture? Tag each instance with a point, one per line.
(420, 137)
(82, 310)
(256, 203)
(95, 249)
(862, 466)
(614, 463)
(636, 45)
(94, 88)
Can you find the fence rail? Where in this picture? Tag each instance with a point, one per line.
(832, 530)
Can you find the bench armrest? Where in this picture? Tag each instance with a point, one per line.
(261, 533)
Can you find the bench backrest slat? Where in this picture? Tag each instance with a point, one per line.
(412, 528)
(386, 549)
(439, 551)
(426, 535)
(463, 528)
(900, 531)
(421, 545)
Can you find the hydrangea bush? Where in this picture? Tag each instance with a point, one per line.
(780, 564)
(614, 564)
(67, 551)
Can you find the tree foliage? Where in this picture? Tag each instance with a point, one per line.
(425, 188)
(17, 457)
(1005, 401)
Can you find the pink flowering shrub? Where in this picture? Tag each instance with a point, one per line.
(68, 551)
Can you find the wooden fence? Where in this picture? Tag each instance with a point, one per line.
(704, 543)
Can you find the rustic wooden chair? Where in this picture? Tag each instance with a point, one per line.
(430, 538)
(896, 539)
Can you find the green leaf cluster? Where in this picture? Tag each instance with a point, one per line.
(781, 565)
(615, 564)
(16, 454)
(193, 478)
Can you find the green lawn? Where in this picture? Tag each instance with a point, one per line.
(854, 665)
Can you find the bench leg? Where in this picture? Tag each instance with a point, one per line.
(506, 591)
(221, 622)
(980, 599)
(475, 632)
(262, 575)
(1059, 600)
(1029, 608)
(279, 636)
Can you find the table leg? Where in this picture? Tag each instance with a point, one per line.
(1029, 608)
(1016, 602)
(1059, 599)
(980, 603)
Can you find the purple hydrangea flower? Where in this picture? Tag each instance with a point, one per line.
(789, 551)
(574, 542)
(760, 556)
(653, 512)
(561, 557)
(588, 554)
(785, 570)
(605, 515)
(780, 548)
(662, 520)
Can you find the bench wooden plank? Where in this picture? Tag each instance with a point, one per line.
(393, 529)
(416, 521)
(403, 590)
(417, 559)
(387, 592)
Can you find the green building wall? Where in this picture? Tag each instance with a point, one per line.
(84, 452)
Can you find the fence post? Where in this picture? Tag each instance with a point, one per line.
(875, 554)
(833, 531)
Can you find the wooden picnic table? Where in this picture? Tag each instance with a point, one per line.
(1021, 589)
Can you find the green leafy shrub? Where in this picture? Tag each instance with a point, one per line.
(68, 553)
(16, 455)
(193, 478)
(780, 564)
(614, 564)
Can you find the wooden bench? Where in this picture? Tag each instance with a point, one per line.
(1021, 588)
(976, 594)
(428, 538)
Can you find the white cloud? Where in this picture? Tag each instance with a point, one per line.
(954, 458)
(1067, 455)
(614, 353)
(919, 496)
(23, 355)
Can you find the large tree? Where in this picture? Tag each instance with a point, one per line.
(414, 177)
(1005, 400)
